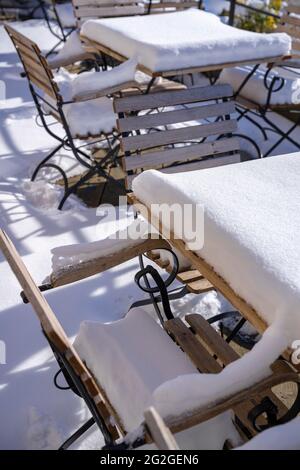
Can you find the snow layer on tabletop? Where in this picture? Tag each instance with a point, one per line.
(283, 437)
(255, 89)
(93, 82)
(71, 51)
(130, 358)
(259, 260)
(184, 39)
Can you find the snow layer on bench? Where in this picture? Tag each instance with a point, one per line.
(191, 38)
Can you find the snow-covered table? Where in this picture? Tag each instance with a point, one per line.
(251, 244)
(182, 42)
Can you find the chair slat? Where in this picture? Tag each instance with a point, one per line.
(293, 9)
(171, 117)
(160, 99)
(175, 4)
(97, 3)
(177, 135)
(191, 152)
(289, 29)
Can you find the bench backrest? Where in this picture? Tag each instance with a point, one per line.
(290, 24)
(35, 65)
(167, 6)
(87, 9)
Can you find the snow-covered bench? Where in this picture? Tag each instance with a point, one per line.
(121, 368)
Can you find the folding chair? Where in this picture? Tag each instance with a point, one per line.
(97, 119)
(208, 355)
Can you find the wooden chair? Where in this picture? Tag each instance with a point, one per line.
(49, 100)
(148, 142)
(206, 349)
(290, 23)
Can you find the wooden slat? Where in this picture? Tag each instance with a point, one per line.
(214, 341)
(108, 11)
(200, 286)
(289, 29)
(190, 152)
(29, 53)
(173, 136)
(191, 346)
(36, 68)
(159, 432)
(146, 121)
(161, 99)
(188, 276)
(96, 3)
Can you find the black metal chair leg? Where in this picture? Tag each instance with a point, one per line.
(46, 159)
(77, 434)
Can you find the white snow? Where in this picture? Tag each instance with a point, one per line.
(255, 89)
(130, 358)
(33, 413)
(95, 82)
(283, 437)
(190, 38)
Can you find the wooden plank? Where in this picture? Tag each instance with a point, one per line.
(41, 84)
(146, 121)
(109, 11)
(52, 327)
(290, 20)
(190, 275)
(175, 4)
(177, 154)
(217, 345)
(289, 29)
(200, 286)
(159, 432)
(173, 136)
(191, 346)
(195, 165)
(163, 99)
(95, 3)
(97, 265)
(36, 68)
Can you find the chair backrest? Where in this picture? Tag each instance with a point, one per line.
(167, 6)
(88, 9)
(35, 65)
(290, 24)
(170, 130)
(52, 327)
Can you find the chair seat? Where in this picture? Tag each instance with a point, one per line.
(71, 52)
(130, 358)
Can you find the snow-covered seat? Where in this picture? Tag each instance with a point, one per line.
(71, 52)
(183, 40)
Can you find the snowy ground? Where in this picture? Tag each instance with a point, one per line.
(34, 414)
